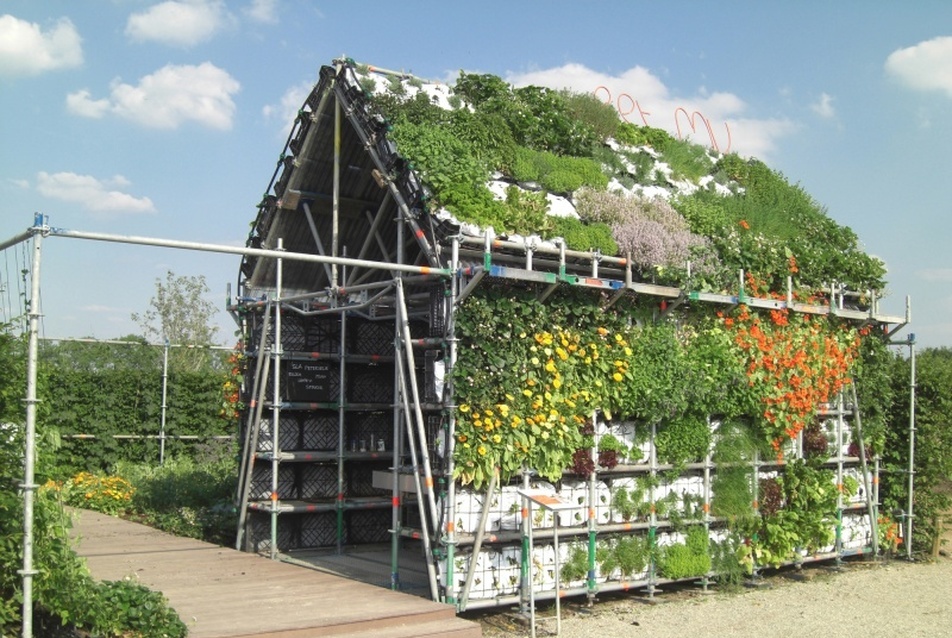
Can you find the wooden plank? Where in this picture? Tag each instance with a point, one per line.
(222, 593)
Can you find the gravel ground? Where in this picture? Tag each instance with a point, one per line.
(863, 600)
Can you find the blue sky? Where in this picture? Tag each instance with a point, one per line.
(166, 119)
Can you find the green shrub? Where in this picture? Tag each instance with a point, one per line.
(687, 160)
(186, 498)
(602, 118)
(635, 135)
(581, 236)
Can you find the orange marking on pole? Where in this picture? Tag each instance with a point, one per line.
(707, 508)
(429, 482)
(396, 501)
(450, 527)
(591, 512)
(419, 233)
(425, 270)
(525, 512)
(274, 496)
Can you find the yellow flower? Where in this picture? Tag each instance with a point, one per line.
(617, 377)
(481, 450)
(496, 438)
(464, 408)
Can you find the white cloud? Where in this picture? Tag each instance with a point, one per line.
(81, 104)
(926, 66)
(25, 49)
(94, 195)
(265, 11)
(642, 98)
(824, 106)
(167, 98)
(178, 23)
(291, 102)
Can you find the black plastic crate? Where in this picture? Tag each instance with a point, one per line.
(318, 529)
(323, 334)
(438, 306)
(360, 478)
(289, 433)
(258, 532)
(320, 432)
(368, 526)
(261, 482)
(372, 337)
(317, 481)
(367, 429)
(370, 384)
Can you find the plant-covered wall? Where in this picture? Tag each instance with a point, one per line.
(530, 376)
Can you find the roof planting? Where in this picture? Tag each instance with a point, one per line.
(544, 167)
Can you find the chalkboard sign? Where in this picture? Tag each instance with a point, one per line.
(312, 381)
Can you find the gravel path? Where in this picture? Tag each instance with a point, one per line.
(863, 600)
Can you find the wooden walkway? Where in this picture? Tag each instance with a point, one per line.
(223, 593)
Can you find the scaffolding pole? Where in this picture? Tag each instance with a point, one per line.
(277, 353)
(29, 465)
(912, 442)
(165, 405)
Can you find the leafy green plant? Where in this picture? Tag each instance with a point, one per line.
(689, 559)
(728, 560)
(806, 519)
(628, 554)
(732, 485)
(629, 503)
(130, 608)
(579, 235)
(682, 440)
(610, 451)
(576, 567)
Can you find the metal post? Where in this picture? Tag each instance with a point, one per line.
(277, 353)
(653, 515)
(592, 527)
(912, 442)
(165, 385)
(478, 542)
(341, 400)
(29, 465)
(449, 401)
(336, 198)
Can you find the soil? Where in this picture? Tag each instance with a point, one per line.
(859, 599)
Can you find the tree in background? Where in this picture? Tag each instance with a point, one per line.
(933, 451)
(181, 314)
